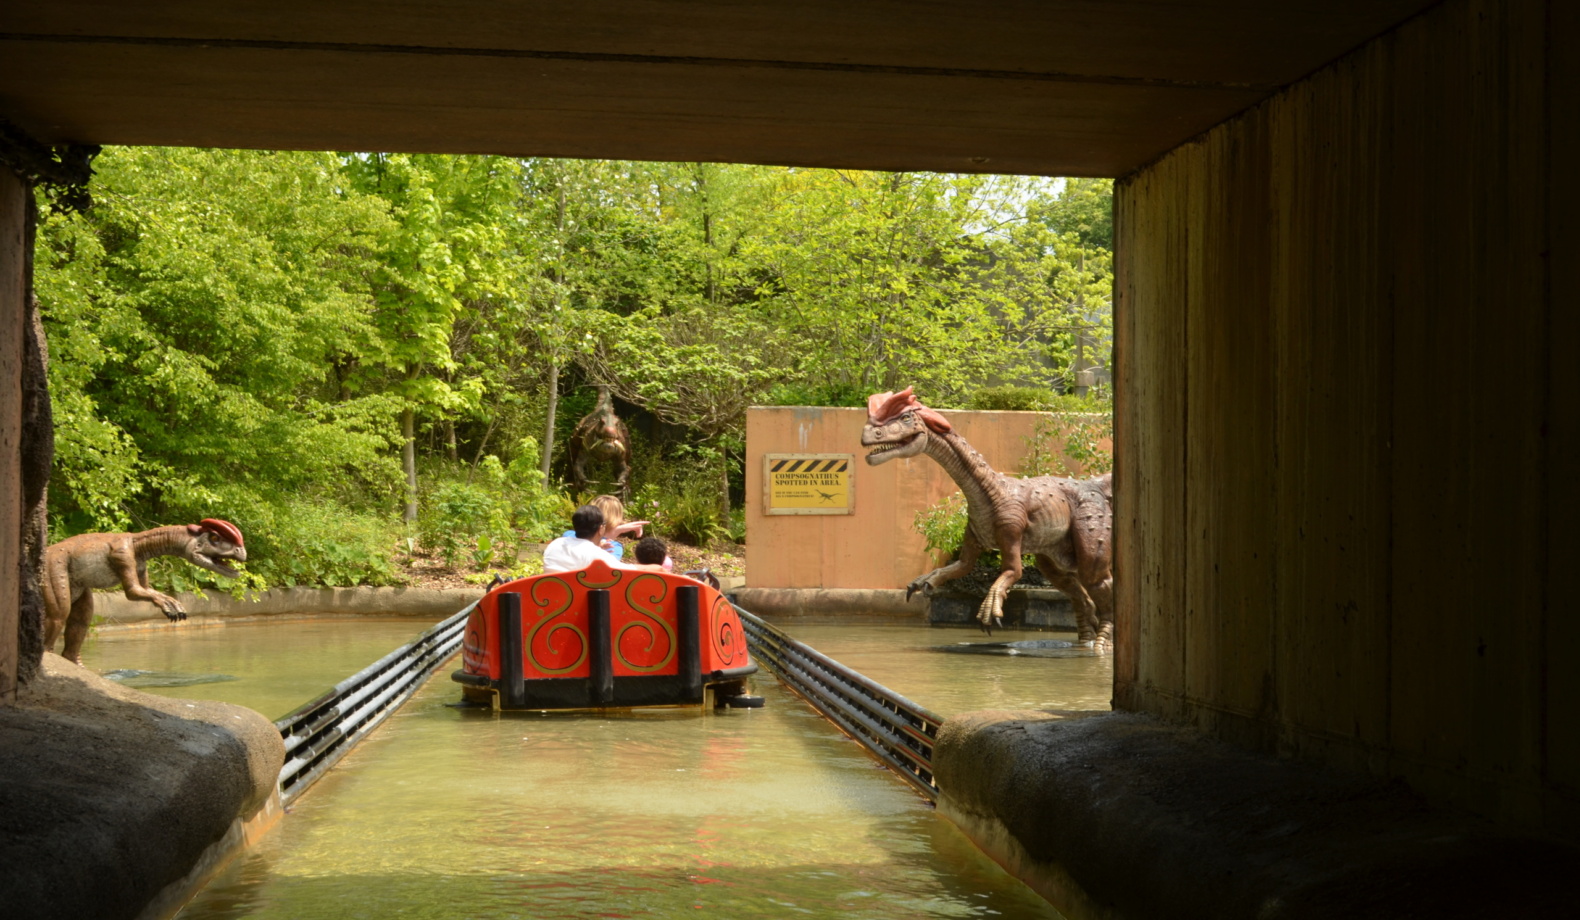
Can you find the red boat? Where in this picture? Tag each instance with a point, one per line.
(604, 637)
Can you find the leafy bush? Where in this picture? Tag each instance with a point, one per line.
(1068, 444)
(1012, 399)
(801, 393)
(481, 516)
(300, 542)
(1037, 399)
(692, 514)
(943, 525)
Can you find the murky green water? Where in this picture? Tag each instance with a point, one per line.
(745, 813)
(271, 666)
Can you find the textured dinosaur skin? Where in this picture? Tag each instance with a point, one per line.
(74, 567)
(600, 435)
(1066, 525)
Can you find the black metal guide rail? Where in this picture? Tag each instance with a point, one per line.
(319, 733)
(898, 732)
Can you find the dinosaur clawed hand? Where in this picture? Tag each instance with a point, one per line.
(923, 585)
(172, 608)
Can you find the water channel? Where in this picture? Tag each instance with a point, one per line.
(658, 813)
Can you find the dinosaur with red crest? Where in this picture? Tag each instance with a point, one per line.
(75, 566)
(1065, 524)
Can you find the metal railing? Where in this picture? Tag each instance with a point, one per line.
(321, 732)
(898, 732)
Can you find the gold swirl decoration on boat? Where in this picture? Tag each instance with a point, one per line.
(545, 616)
(722, 628)
(653, 610)
(614, 579)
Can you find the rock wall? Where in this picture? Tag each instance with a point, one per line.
(111, 799)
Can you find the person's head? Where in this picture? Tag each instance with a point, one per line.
(587, 521)
(651, 551)
(613, 511)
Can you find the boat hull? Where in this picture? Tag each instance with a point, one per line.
(603, 637)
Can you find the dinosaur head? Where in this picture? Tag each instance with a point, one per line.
(898, 426)
(214, 543)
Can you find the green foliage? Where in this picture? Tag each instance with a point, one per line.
(241, 334)
(1012, 399)
(943, 525)
(1069, 444)
(1035, 399)
(482, 515)
(302, 542)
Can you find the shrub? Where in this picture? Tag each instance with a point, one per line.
(943, 525)
(1012, 399)
(1037, 399)
(300, 542)
(692, 514)
(1068, 444)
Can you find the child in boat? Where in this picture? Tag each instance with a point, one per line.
(614, 525)
(652, 551)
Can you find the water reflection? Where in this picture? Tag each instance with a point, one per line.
(273, 666)
(745, 813)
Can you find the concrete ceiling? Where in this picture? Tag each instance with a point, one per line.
(1056, 87)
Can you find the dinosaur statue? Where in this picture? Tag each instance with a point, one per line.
(77, 565)
(600, 435)
(1065, 524)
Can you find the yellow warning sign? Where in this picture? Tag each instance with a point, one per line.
(808, 484)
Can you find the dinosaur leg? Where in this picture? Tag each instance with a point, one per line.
(1103, 594)
(57, 597)
(991, 613)
(579, 472)
(77, 626)
(1065, 580)
(970, 550)
(622, 476)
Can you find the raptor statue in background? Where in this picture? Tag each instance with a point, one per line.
(74, 567)
(1065, 524)
(600, 435)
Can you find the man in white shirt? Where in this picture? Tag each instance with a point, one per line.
(567, 554)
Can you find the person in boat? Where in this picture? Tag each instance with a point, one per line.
(614, 526)
(652, 551)
(581, 547)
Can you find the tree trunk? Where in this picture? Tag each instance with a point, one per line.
(554, 364)
(548, 424)
(408, 430)
(449, 440)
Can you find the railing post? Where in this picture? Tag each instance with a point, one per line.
(599, 653)
(688, 631)
(512, 684)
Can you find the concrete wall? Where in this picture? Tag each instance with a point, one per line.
(1347, 332)
(12, 327)
(876, 546)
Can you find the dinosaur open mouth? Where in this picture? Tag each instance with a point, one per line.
(878, 450)
(219, 566)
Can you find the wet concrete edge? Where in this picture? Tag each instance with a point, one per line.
(116, 611)
(1117, 815)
